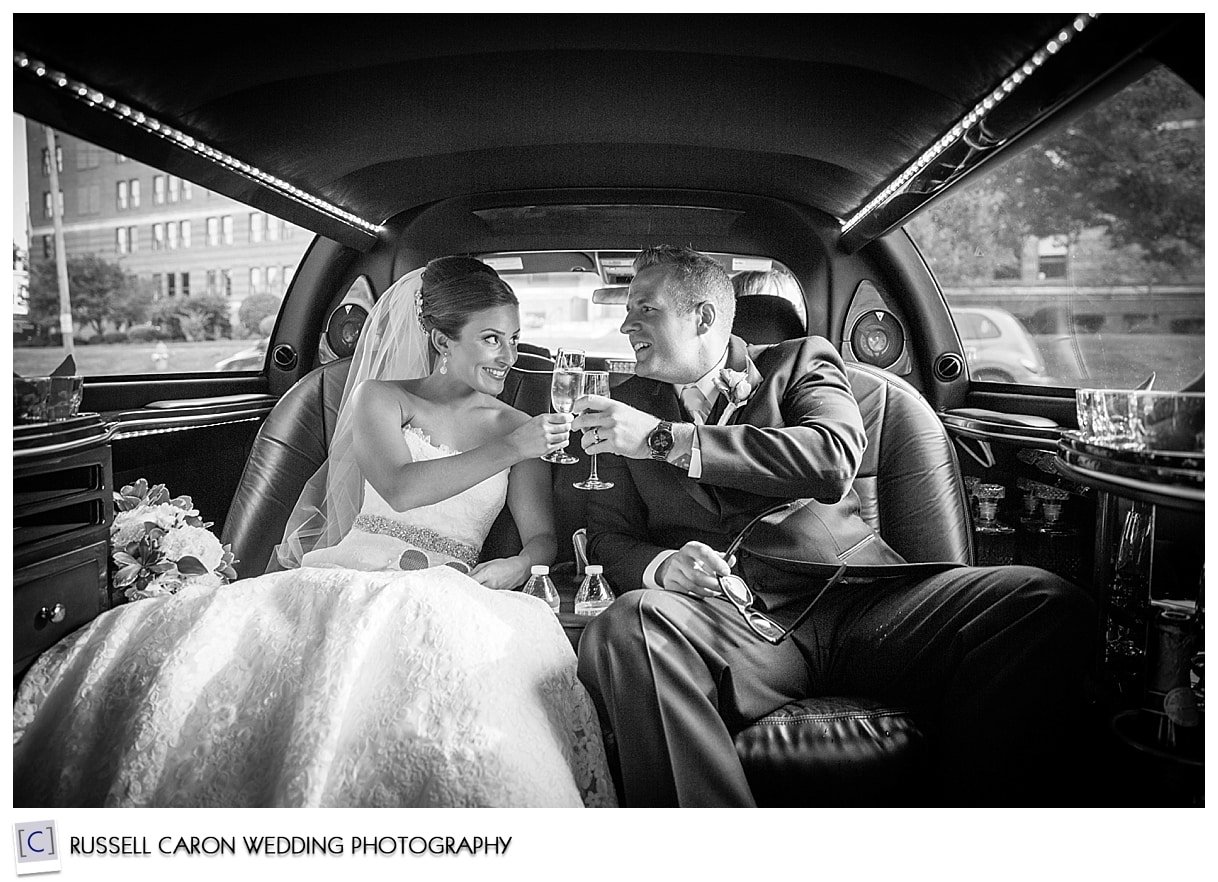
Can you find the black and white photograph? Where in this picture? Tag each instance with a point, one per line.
(636, 411)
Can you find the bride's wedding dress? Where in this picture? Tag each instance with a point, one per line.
(346, 682)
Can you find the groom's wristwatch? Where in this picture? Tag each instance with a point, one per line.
(660, 441)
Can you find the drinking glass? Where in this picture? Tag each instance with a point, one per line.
(594, 383)
(564, 389)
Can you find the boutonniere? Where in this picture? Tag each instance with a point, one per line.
(735, 384)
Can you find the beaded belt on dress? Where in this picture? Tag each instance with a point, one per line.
(421, 537)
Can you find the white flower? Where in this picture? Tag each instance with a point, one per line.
(128, 527)
(736, 384)
(131, 526)
(193, 541)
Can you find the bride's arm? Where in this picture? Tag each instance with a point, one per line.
(380, 411)
(529, 499)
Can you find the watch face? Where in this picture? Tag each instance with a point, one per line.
(660, 439)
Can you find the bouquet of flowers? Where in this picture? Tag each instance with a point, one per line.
(160, 545)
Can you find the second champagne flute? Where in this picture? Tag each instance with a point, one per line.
(564, 389)
(594, 383)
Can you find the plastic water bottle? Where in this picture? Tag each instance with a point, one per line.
(594, 594)
(539, 585)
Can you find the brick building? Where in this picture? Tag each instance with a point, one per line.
(180, 239)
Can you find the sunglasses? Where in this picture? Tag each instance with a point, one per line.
(736, 590)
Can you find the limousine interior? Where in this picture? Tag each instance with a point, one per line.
(852, 155)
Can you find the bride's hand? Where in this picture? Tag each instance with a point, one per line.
(502, 574)
(541, 435)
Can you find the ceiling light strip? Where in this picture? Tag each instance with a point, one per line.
(975, 116)
(99, 100)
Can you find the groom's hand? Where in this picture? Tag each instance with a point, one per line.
(613, 427)
(693, 570)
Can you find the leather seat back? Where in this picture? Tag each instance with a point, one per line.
(762, 319)
(909, 482)
(290, 446)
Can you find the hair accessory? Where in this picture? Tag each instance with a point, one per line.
(418, 309)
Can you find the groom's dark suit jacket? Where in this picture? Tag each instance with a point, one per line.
(799, 436)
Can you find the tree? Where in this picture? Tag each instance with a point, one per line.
(1133, 166)
(255, 308)
(970, 238)
(134, 308)
(1127, 166)
(101, 291)
(194, 318)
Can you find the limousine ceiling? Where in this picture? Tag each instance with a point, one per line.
(339, 123)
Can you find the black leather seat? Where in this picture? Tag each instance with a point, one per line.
(766, 318)
(853, 750)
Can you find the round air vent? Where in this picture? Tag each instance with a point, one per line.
(284, 356)
(343, 328)
(877, 338)
(949, 366)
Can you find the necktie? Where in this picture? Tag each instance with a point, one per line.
(695, 404)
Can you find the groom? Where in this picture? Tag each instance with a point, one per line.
(710, 432)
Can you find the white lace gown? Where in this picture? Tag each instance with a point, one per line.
(347, 682)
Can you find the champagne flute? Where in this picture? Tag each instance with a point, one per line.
(594, 383)
(564, 389)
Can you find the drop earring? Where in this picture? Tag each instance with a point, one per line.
(443, 364)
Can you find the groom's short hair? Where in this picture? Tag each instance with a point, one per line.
(698, 277)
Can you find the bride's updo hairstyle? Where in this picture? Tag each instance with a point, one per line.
(454, 288)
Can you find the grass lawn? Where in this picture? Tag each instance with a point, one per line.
(129, 358)
(1122, 361)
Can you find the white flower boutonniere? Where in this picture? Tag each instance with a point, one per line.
(735, 384)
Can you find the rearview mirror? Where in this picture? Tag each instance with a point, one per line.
(613, 295)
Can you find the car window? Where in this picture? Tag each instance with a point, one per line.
(556, 292)
(1087, 250)
(164, 276)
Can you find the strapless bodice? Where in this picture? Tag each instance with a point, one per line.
(450, 531)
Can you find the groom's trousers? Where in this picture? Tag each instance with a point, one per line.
(992, 659)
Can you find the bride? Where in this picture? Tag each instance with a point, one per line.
(386, 666)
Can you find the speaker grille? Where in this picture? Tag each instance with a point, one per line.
(877, 338)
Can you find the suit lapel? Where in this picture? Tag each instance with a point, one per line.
(737, 360)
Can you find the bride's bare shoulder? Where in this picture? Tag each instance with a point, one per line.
(372, 393)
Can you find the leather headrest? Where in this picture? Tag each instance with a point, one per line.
(766, 318)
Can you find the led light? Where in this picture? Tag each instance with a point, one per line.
(978, 113)
(96, 98)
